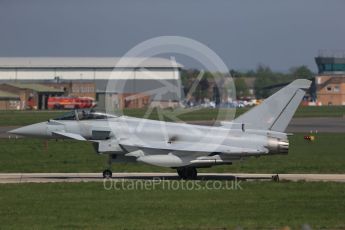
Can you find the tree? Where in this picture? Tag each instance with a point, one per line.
(202, 89)
(264, 78)
(301, 72)
(235, 74)
(187, 79)
(241, 87)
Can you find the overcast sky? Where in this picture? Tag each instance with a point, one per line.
(243, 33)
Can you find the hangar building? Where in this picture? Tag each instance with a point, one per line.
(129, 82)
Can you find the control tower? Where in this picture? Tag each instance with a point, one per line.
(330, 81)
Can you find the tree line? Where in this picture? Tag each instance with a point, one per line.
(263, 77)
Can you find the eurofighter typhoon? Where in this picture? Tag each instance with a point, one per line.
(184, 147)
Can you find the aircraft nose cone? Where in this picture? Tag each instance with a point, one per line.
(39, 129)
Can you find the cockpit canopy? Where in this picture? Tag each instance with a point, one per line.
(84, 115)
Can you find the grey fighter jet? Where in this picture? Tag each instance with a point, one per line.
(183, 147)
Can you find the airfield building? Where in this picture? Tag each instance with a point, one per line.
(9, 101)
(330, 81)
(31, 96)
(122, 82)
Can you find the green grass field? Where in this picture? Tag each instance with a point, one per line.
(325, 155)
(259, 205)
(8, 118)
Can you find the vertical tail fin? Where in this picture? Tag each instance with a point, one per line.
(275, 112)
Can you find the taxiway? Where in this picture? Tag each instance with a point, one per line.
(94, 177)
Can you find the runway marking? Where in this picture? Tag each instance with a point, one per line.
(97, 177)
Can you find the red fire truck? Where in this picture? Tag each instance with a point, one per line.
(70, 102)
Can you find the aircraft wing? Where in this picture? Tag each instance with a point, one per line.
(190, 147)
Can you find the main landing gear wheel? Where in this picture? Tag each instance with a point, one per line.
(275, 178)
(187, 173)
(107, 173)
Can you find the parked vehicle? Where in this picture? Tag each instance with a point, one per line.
(71, 102)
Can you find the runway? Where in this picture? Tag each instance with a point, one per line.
(304, 124)
(317, 124)
(6, 178)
